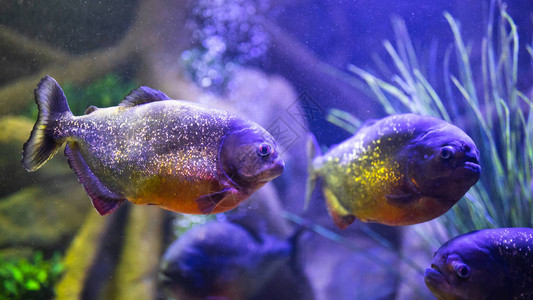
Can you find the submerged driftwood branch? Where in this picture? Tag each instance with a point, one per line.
(29, 50)
(156, 54)
(305, 69)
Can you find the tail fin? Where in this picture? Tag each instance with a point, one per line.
(313, 150)
(42, 144)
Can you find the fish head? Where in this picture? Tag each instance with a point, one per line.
(250, 158)
(465, 268)
(443, 162)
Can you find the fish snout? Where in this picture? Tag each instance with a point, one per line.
(468, 160)
(278, 166)
(470, 153)
(275, 169)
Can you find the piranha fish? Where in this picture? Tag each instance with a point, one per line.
(150, 149)
(403, 169)
(489, 264)
(222, 261)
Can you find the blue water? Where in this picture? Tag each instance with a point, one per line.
(283, 64)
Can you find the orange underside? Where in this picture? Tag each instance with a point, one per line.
(422, 210)
(181, 196)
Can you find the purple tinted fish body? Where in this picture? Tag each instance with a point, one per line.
(153, 150)
(126, 145)
(484, 264)
(400, 170)
(222, 260)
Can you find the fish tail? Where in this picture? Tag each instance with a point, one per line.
(313, 151)
(43, 144)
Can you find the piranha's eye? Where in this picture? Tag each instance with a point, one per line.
(462, 270)
(446, 152)
(264, 149)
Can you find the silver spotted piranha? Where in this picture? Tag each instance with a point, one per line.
(150, 149)
(489, 264)
(400, 170)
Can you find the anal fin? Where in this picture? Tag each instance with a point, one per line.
(104, 200)
(341, 217)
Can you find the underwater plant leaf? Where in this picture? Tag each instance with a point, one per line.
(501, 123)
(32, 285)
(433, 94)
(462, 58)
(371, 81)
(343, 120)
(17, 274)
(11, 287)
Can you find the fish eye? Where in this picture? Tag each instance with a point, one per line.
(446, 152)
(264, 149)
(462, 270)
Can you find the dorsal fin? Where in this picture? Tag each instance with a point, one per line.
(143, 95)
(90, 109)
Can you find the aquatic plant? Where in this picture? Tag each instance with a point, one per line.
(24, 279)
(489, 107)
(106, 91)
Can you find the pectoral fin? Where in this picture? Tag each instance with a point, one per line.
(208, 203)
(402, 199)
(104, 200)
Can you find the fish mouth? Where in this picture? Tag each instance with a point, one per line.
(436, 281)
(471, 161)
(275, 170)
(469, 166)
(473, 166)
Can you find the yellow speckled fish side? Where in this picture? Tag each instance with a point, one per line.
(388, 172)
(362, 171)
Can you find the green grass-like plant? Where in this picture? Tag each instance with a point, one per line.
(488, 106)
(106, 91)
(34, 279)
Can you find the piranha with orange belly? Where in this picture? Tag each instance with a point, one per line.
(401, 170)
(150, 149)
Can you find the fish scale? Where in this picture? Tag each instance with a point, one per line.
(391, 171)
(151, 149)
(499, 262)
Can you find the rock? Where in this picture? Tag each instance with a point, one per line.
(135, 275)
(42, 217)
(344, 273)
(80, 257)
(14, 131)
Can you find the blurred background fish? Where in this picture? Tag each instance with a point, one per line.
(286, 66)
(403, 169)
(224, 260)
(178, 155)
(485, 264)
